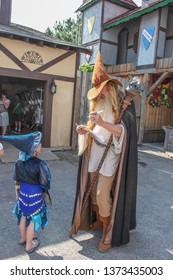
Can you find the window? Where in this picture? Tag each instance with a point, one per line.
(122, 46)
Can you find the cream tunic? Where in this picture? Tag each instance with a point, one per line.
(112, 158)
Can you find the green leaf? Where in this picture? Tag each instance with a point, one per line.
(86, 67)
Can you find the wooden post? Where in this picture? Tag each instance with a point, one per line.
(159, 80)
(86, 85)
(47, 114)
(144, 91)
(76, 108)
(81, 102)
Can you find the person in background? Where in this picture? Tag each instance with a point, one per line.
(33, 177)
(17, 111)
(4, 117)
(109, 203)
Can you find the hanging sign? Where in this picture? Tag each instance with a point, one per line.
(147, 36)
(91, 21)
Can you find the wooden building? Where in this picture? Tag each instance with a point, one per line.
(33, 64)
(135, 42)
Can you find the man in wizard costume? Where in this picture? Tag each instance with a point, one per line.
(33, 177)
(107, 172)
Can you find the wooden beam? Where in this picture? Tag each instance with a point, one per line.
(53, 62)
(143, 109)
(159, 80)
(26, 40)
(47, 114)
(33, 75)
(12, 57)
(41, 43)
(76, 104)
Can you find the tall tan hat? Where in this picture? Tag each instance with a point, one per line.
(99, 78)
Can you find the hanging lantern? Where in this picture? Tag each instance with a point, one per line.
(53, 87)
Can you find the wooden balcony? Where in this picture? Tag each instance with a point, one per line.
(121, 69)
(165, 64)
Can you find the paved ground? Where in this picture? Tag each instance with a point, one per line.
(152, 239)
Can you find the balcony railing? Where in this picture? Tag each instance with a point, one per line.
(130, 68)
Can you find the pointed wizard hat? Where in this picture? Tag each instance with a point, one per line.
(99, 78)
(26, 143)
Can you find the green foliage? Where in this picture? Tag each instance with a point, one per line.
(86, 67)
(49, 32)
(69, 30)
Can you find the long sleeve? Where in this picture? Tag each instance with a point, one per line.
(15, 177)
(45, 175)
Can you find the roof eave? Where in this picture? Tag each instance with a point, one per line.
(84, 6)
(126, 5)
(137, 14)
(43, 41)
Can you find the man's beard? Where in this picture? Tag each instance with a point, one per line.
(105, 105)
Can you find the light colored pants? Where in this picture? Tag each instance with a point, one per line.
(101, 193)
(4, 119)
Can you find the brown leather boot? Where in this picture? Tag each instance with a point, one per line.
(104, 247)
(97, 224)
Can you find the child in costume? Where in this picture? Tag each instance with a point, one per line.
(33, 176)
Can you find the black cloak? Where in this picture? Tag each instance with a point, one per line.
(124, 189)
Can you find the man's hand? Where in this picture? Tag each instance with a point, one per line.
(81, 129)
(96, 118)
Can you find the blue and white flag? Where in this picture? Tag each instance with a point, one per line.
(147, 36)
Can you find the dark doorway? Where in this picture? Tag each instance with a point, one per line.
(31, 93)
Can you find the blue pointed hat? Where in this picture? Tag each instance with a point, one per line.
(26, 143)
